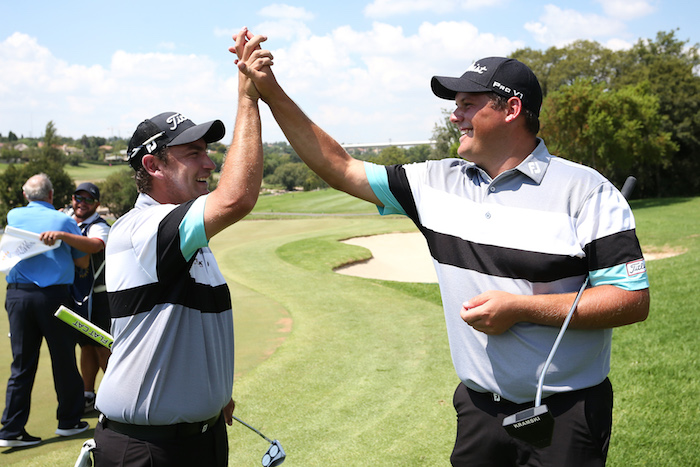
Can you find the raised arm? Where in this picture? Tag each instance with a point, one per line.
(239, 185)
(313, 145)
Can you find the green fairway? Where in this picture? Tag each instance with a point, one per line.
(93, 172)
(87, 171)
(357, 372)
(312, 202)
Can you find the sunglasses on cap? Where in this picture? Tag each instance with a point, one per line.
(84, 199)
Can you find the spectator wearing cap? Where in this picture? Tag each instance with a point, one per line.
(513, 232)
(165, 398)
(36, 287)
(88, 289)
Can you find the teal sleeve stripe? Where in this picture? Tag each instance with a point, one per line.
(622, 276)
(192, 233)
(379, 182)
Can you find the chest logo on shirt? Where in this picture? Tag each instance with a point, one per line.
(204, 269)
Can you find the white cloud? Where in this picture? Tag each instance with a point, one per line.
(560, 27)
(618, 44)
(627, 9)
(283, 11)
(284, 29)
(374, 84)
(359, 85)
(166, 46)
(102, 101)
(386, 8)
(224, 32)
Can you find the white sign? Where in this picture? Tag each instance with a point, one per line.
(18, 244)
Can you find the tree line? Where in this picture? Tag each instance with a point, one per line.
(629, 112)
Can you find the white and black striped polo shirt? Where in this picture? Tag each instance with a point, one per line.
(536, 229)
(173, 354)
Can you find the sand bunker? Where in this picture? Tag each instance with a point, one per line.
(402, 257)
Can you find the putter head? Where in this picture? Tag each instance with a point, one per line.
(274, 456)
(534, 426)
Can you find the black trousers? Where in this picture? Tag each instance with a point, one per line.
(582, 426)
(117, 450)
(30, 314)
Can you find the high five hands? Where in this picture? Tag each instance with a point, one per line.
(253, 62)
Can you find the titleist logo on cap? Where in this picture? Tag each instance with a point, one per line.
(175, 120)
(476, 68)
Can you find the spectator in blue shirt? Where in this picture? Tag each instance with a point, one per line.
(36, 287)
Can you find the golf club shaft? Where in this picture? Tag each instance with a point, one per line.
(255, 430)
(626, 192)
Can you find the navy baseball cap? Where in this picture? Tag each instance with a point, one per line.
(169, 129)
(90, 188)
(505, 76)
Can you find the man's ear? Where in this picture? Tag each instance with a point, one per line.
(152, 164)
(515, 107)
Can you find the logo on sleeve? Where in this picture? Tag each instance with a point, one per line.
(636, 267)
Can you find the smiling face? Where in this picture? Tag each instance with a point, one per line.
(84, 205)
(481, 125)
(185, 174)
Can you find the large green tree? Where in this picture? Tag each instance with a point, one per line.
(666, 64)
(617, 132)
(118, 193)
(557, 67)
(670, 67)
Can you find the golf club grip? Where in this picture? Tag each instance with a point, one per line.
(628, 187)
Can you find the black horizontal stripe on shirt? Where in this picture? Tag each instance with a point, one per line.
(175, 282)
(613, 250)
(606, 252)
(201, 297)
(502, 261)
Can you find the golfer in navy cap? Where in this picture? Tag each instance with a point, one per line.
(166, 396)
(513, 231)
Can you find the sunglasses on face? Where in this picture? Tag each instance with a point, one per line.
(83, 199)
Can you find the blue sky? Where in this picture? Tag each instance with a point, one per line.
(360, 69)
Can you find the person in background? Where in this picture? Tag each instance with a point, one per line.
(36, 287)
(88, 289)
(513, 232)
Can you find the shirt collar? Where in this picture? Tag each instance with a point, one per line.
(533, 166)
(90, 219)
(145, 201)
(45, 204)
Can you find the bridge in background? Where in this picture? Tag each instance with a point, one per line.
(405, 144)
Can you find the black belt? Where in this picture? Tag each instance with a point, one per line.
(33, 286)
(152, 432)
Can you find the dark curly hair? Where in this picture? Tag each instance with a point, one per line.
(143, 178)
